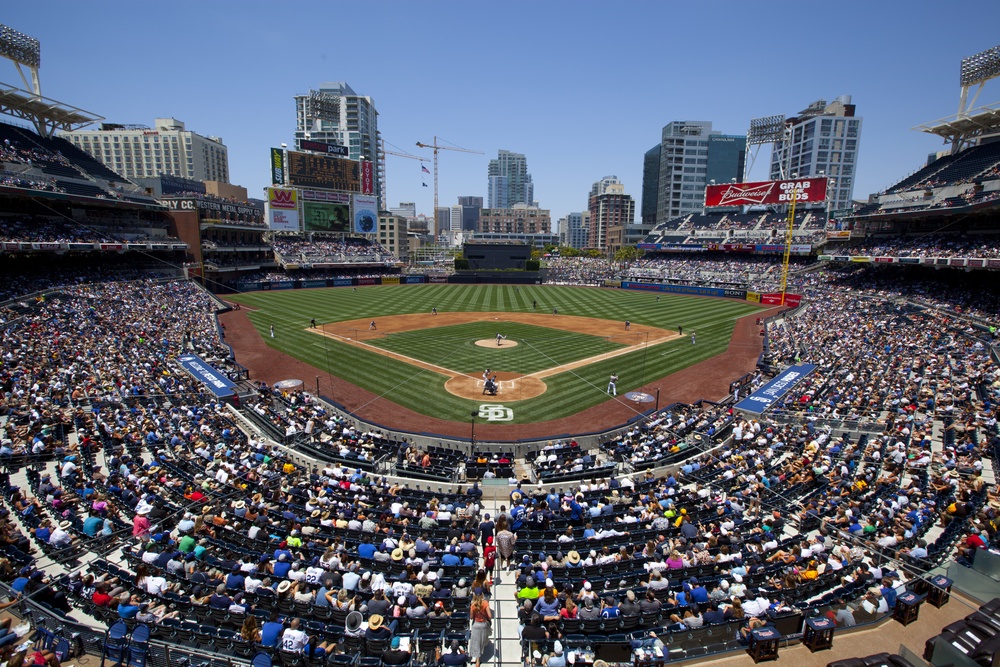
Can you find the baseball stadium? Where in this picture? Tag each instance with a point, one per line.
(765, 430)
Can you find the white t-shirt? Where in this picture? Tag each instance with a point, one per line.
(294, 640)
(156, 585)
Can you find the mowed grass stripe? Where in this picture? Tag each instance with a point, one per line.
(423, 391)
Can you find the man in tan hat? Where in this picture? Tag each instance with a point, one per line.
(376, 628)
(573, 558)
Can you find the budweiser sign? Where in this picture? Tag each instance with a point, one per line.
(766, 192)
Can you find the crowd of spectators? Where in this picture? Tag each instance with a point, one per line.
(13, 151)
(928, 245)
(32, 229)
(323, 249)
(784, 513)
(760, 273)
(578, 270)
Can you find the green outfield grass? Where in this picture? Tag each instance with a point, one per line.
(423, 391)
(454, 347)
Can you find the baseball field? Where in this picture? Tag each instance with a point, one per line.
(551, 349)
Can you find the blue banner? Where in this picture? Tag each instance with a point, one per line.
(342, 282)
(413, 280)
(313, 283)
(676, 289)
(766, 396)
(207, 374)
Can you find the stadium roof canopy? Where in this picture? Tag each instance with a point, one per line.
(45, 113)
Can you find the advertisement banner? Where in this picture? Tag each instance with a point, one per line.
(753, 296)
(843, 234)
(801, 249)
(313, 283)
(365, 214)
(323, 147)
(283, 209)
(883, 260)
(806, 190)
(825, 258)
(283, 284)
(368, 281)
(326, 217)
(908, 260)
(972, 263)
(438, 279)
(91, 246)
(113, 246)
(734, 293)
(957, 261)
(649, 246)
(390, 280)
(861, 259)
(342, 282)
(310, 170)
(207, 374)
(774, 299)
(368, 178)
(413, 280)
(773, 391)
(612, 283)
(277, 166)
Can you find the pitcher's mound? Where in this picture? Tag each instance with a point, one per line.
(513, 387)
(492, 342)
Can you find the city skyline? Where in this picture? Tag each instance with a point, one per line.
(577, 114)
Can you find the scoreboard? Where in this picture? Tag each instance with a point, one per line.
(309, 170)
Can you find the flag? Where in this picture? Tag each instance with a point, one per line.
(425, 169)
(424, 184)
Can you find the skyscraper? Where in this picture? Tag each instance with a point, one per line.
(609, 207)
(574, 229)
(691, 154)
(509, 181)
(471, 208)
(335, 114)
(824, 141)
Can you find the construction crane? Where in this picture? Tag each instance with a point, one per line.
(385, 180)
(437, 148)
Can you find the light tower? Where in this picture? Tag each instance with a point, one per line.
(47, 115)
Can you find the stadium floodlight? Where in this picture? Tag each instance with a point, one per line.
(766, 130)
(19, 47)
(981, 67)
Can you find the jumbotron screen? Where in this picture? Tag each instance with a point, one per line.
(308, 170)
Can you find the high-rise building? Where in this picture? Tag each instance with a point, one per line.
(509, 181)
(691, 155)
(471, 208)
(335, 114)
(574, 229)
(166, 149)
(442, 220)
(609, 207)
(824, 141)
(650, 184)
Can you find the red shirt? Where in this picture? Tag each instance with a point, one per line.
(101, 599)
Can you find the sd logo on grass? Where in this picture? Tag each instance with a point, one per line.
(492, 412)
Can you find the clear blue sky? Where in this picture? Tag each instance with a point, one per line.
(581, 88)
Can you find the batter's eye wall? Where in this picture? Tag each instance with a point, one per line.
(494, 256)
